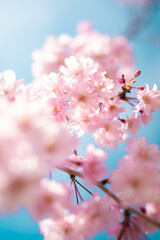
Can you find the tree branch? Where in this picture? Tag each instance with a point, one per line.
(113, 196)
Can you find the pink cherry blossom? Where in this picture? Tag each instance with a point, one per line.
(132, 124)
(78, 68)
(29, 123)
(52, 55)
(81, 119)
(94, 166)
(18, 183)
(145, 118)
(105, 86)
(50, 84)
(76, 162)
(112, 109)
(141, 152)
(134, 179)
(108, 133)
(149, 100)
(10, 87)
(65, 229)
(58, 108)
(113, 54)
(96, 214)
(51, 200)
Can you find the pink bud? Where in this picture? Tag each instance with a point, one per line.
(143, 210)
(122, 120)
(75, 152)
(138, 73)
(121, 80)
(141, 88)
(84, 27)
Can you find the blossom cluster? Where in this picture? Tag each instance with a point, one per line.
(112, 54)
(82, 84)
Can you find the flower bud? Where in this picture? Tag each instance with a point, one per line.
(138, 73)
(121, 80)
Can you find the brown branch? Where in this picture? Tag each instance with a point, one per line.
(151, 220)
(113, 196)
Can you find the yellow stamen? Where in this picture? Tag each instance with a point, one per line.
(82, 98)
(107, 128)
(56, 109)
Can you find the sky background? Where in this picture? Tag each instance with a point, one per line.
(24, 25)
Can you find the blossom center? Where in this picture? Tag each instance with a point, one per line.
(50, 147)
(106, 128)
(130, 124)
(82, 98)
(56, 109)
(147, 99)
(135, 182)
(48, 199)
(144, 154)
(17, 185)
(113, 107)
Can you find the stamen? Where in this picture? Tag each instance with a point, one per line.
(82, 98)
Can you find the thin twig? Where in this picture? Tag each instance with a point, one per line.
(84, 187)
(79, 193)
(75, 188)
(122, 231)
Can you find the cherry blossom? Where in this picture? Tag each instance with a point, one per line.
(94, 215)
(112, 108)
(132, 124)
(65, 229)
(51, 200)
(111, 53)
(149, 100)
(18, 183)
(108, 133)
(141, 152)
(134, 179)
(76, 162)
(51, 56)
(94, 166)
(10, 87)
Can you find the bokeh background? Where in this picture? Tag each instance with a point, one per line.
(24, 26)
